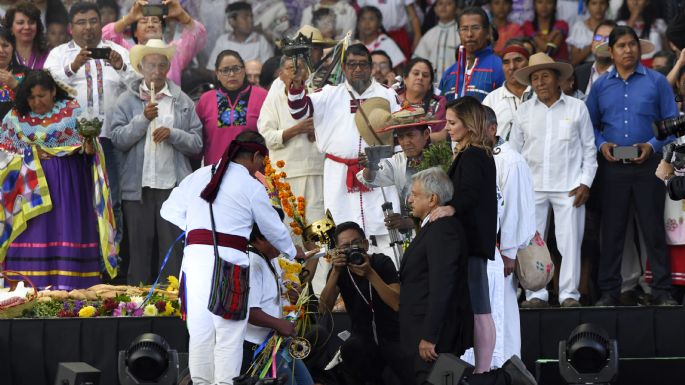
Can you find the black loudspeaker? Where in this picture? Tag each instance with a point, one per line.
(631, 371)
(76, 373)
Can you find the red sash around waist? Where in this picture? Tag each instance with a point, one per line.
(204, 237)
(353, 167)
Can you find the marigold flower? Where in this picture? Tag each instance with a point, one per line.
(300, 199)
(87, 312)
(283, 174)
(280, 163)
(297, 231)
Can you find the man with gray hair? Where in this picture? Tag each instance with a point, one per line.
(435, 310)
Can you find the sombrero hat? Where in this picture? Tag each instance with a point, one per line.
(646, 46)
(153, 46)
(541, 61)
(409, 117)
(371, 117)
(317, 38)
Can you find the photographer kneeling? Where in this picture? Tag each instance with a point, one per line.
(370, 288)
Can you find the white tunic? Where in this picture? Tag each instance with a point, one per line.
(438, 45)
(558, 142)
(241, 201)
(97, 82)
(264, 294)
(336, 134)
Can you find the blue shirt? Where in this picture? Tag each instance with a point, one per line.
(485, 77)
(622, 111)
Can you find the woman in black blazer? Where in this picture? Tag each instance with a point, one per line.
(475, 204)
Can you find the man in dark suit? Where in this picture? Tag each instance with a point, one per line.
(435, 309)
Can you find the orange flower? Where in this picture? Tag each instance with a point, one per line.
(286, 186)
(283, 174)
(300, 199)
(280, 163)
(293, 224)
(300, 206)
(297, 231)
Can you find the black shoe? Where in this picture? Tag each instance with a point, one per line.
(517, 372)
(628, 298)
(664, 299)
(607, 300)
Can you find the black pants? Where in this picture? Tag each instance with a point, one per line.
(621, 185)
(144, 226)
(364, 361)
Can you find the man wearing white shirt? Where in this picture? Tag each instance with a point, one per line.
(238, 201)
(554, 134)
(155, 127)
(98, 82)
(337, 135)
(507, 99)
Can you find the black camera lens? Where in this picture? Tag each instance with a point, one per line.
(355, 255)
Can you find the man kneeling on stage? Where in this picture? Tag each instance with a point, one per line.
(370, 289)
(435, 311)
(266, 309)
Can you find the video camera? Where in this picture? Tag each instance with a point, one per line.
(674, 152)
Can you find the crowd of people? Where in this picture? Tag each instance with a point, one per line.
(119, 128)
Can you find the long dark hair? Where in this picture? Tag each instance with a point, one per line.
(33, 79)
(648, 16)
(552, 20)
(6, 34)
(407, 70)
(33, 14)
(369, 9)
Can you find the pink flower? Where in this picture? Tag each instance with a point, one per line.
(137, 313)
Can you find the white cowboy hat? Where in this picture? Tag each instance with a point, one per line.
(153, 46)
(371, 117)
(646, 46)
(541, 61)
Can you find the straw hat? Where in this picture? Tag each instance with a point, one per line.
(646, 46)
(541, 61)
(373, 115)
(317, 38)
(409, 117)
(153, 46)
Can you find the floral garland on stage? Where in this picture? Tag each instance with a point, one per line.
(282, 196)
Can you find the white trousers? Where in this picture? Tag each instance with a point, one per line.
(216, 345)
(505, 314)
(569, 223)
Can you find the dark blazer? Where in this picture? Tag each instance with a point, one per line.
(474, 178)
(583, 72)
(434, 295)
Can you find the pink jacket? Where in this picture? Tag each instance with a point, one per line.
(191, 42)
(216, 139)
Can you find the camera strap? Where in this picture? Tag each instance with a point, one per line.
(368, 303)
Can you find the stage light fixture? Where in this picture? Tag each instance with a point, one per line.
(148, 361)
(588, 356)
(76, 373)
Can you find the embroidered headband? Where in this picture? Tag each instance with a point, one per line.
(517, 49)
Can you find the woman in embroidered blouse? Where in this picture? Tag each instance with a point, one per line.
(372, 34)
(11, 73)
(548, 33)
(57, 233)
(24, 21)
(417, 91)
(229, 109)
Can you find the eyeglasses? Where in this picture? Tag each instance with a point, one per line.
(472, 28)
(381, 66)
(601, 38)
(84, 22)
(230, 70)
(362, 65)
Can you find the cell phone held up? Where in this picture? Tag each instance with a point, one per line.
(100, 53)
(158, 10)
(625, 154)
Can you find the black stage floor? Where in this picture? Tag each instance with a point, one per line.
(31, 348)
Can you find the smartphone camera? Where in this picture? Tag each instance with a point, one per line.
(158, 10)
(100, 53)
